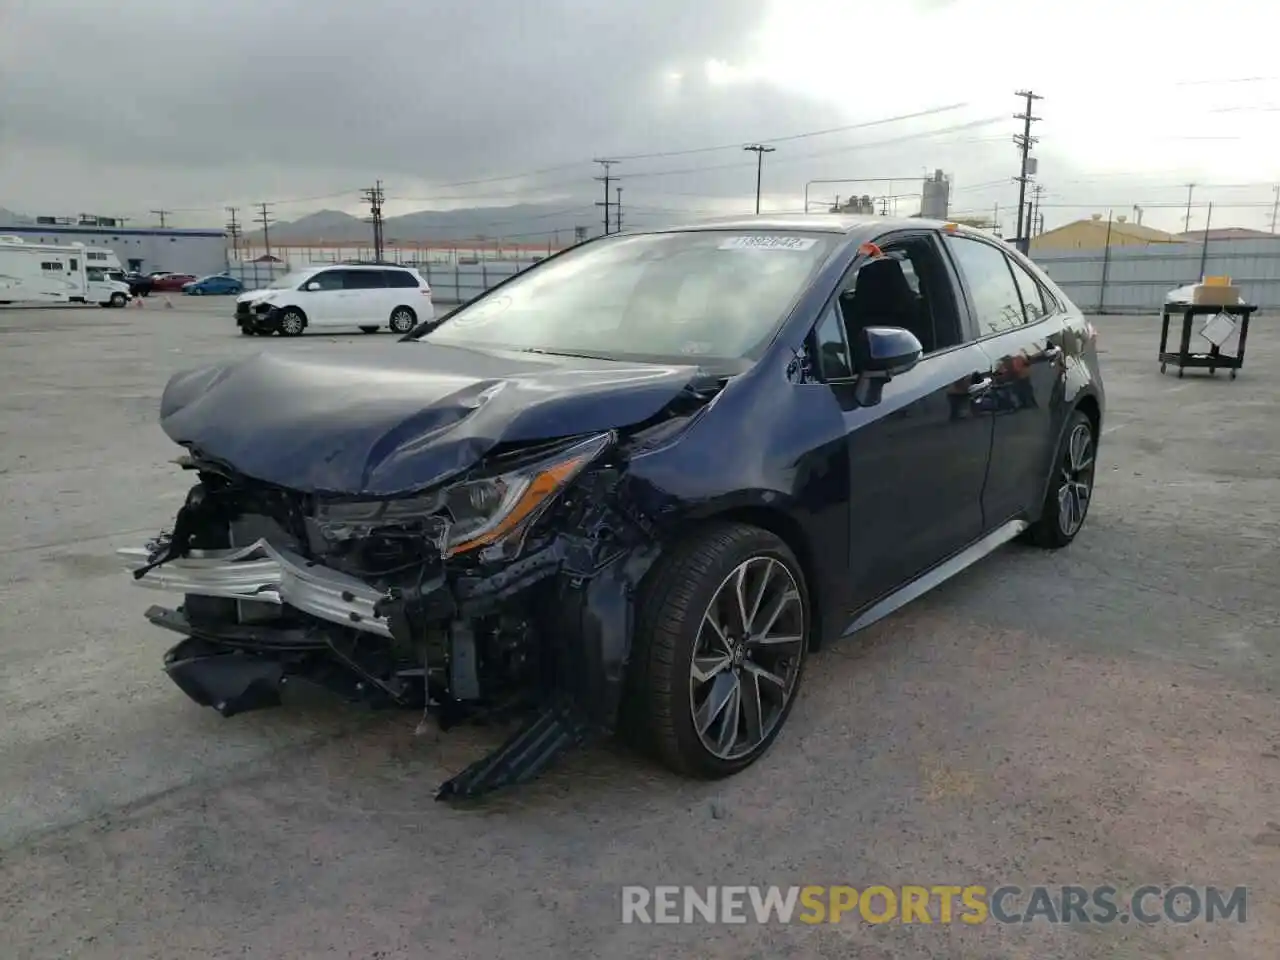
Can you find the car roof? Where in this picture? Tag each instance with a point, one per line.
(850, 225)
(357, 266)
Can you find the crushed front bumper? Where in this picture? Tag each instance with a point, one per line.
(266, 574)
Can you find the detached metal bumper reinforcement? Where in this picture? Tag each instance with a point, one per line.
(267, 574)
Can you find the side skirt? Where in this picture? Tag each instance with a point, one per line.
(937, 575)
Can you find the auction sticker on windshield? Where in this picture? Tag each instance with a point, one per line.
(767, 242)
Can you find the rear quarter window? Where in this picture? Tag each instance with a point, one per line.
(401, 278)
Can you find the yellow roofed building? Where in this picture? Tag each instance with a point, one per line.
(1091, 234)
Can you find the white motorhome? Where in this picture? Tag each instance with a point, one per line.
(40, 273)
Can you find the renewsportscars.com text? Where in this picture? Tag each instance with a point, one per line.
(935, 903)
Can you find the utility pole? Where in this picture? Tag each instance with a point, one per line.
(264, 218)
(1186, 223)
(233, 231)
(605, 165)
(1024, 141)
(1275, 207)
(759, 149)
(1036, 193)
(161, 214)
(375, 197)
(617, 212)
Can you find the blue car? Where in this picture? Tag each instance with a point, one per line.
(215, 285)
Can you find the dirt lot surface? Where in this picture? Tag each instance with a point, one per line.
(1102, 715)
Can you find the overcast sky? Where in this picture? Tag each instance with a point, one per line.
(138, 104)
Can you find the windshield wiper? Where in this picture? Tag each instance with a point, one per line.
(561, 353)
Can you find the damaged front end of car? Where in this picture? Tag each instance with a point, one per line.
(507, 589)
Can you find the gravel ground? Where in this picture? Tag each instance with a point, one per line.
(1100, 715)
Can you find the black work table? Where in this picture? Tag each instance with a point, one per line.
(1184, 357)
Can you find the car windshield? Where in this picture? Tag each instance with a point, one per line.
(707, 294)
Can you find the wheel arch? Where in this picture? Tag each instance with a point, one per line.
(281, 311)
(1087, 403)
(789, 530)
(1089, 406)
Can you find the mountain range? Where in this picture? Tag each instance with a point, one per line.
(526, 223)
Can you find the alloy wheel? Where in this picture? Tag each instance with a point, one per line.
(291, 324)
(1075, 482)
(401, 321)
(747, 657)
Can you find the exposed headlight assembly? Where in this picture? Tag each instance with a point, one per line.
(474, 513)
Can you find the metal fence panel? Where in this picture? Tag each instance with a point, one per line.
(1133, 279)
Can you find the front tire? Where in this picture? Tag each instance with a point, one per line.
(368, 329)
(292, 322)
(118, 300)
(403, 319)
(1070, 487)
(720, 649)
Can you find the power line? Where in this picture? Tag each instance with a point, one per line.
(706, 168)
(281, 201)
(1198, 83)
(933, 111)
(759, 149)
(725, 146)
(1024, 142)
(795, 158)
(605, 165)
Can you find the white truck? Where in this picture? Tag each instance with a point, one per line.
(41, 273)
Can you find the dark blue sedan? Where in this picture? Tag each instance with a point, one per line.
(633, 487)
(218, 284)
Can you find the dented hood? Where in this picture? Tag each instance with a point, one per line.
(399, 417)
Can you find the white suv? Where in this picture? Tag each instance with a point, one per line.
(343, 295)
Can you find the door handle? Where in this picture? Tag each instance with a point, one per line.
(981, 387)
(1052, 353)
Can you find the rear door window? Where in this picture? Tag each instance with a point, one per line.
(996, 302)
(363, 280)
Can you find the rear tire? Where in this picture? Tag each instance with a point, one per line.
(699, 647)
(403, 319)
(1066, 504)
(292, 322)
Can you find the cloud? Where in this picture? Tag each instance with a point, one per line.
(191, 105)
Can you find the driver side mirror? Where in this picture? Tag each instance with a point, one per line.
(312, 285)
(879, 355)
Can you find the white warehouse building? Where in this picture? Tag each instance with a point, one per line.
(143, 249)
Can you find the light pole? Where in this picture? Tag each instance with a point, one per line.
(759, 149)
